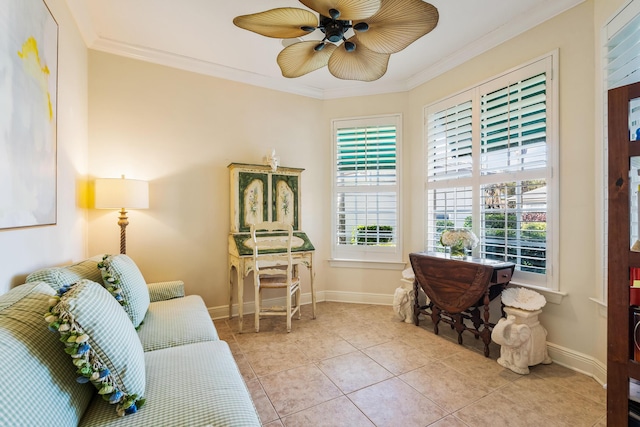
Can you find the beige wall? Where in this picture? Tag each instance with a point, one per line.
(179, 131)
(25, 250)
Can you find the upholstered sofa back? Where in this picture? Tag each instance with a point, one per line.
(60, 276)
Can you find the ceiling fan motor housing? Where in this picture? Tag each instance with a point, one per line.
(333, 29)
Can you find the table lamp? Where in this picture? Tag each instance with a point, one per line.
(121, 193)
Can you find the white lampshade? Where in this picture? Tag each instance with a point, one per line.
(118, 193)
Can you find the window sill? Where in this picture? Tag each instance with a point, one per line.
(375, 265)
(602, 306)
(554, 297)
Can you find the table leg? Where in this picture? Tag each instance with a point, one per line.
(485, 333)
(486, 307)
(313, 290)
(230, 292)
(240, 298)
(416, 304)
(435, 318)
(459, 325)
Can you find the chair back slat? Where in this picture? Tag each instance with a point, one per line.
(267, 238)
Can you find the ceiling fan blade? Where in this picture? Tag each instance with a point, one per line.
(349, 9)
(397, 24)
(362, 64)
(302, 58)
(280, 23)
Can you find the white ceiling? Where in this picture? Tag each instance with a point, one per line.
(199, 35)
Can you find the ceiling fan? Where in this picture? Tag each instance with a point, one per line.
(378, 27)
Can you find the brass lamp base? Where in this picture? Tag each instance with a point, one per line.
(123, 222)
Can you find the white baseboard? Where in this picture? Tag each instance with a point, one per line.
(571, 359)
(578, 362)
(222, 312)
(358, 298)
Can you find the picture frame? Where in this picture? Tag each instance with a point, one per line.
(28, 114)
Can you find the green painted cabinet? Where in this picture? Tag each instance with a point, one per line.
(260, 194)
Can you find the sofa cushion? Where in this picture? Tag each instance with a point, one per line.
(121, 273)
(176, 322)
(102, 343)
(60, 276)
(37, 381)
(192, 385)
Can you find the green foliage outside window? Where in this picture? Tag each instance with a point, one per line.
(372, 235)
(531, 258)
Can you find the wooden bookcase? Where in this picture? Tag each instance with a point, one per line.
(623, 168)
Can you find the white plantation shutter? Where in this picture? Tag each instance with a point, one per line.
(513, 127)
(366, 156)
(449, 147)
(488, 169)
(622, 54)
(366, 188)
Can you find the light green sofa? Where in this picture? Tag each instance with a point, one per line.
(191, 376)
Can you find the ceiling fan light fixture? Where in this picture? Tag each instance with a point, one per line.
(383, 27)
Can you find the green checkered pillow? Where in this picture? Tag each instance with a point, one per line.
(123, 279)
(102, 343)
(37, 382)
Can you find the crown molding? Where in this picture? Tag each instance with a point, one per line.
(203, 67)
(512, 29)
(221, 71)
(498, 36)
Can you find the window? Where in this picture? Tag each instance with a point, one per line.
(490, 154)
(366, 189)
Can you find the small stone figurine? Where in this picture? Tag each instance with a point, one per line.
(272, 160)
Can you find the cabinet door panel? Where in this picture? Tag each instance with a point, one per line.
(252, 194)
(285, 199)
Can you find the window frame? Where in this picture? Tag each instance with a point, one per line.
(367, 255)
(549, 65)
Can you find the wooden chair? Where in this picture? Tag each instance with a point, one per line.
(274, 268)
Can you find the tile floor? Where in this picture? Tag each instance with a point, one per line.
(357, 365)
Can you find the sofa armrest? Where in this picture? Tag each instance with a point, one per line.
(161, 291)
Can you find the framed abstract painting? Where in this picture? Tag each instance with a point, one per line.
(28, 114)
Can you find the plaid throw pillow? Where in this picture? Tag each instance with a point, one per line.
(102, 343)
(123, 279)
